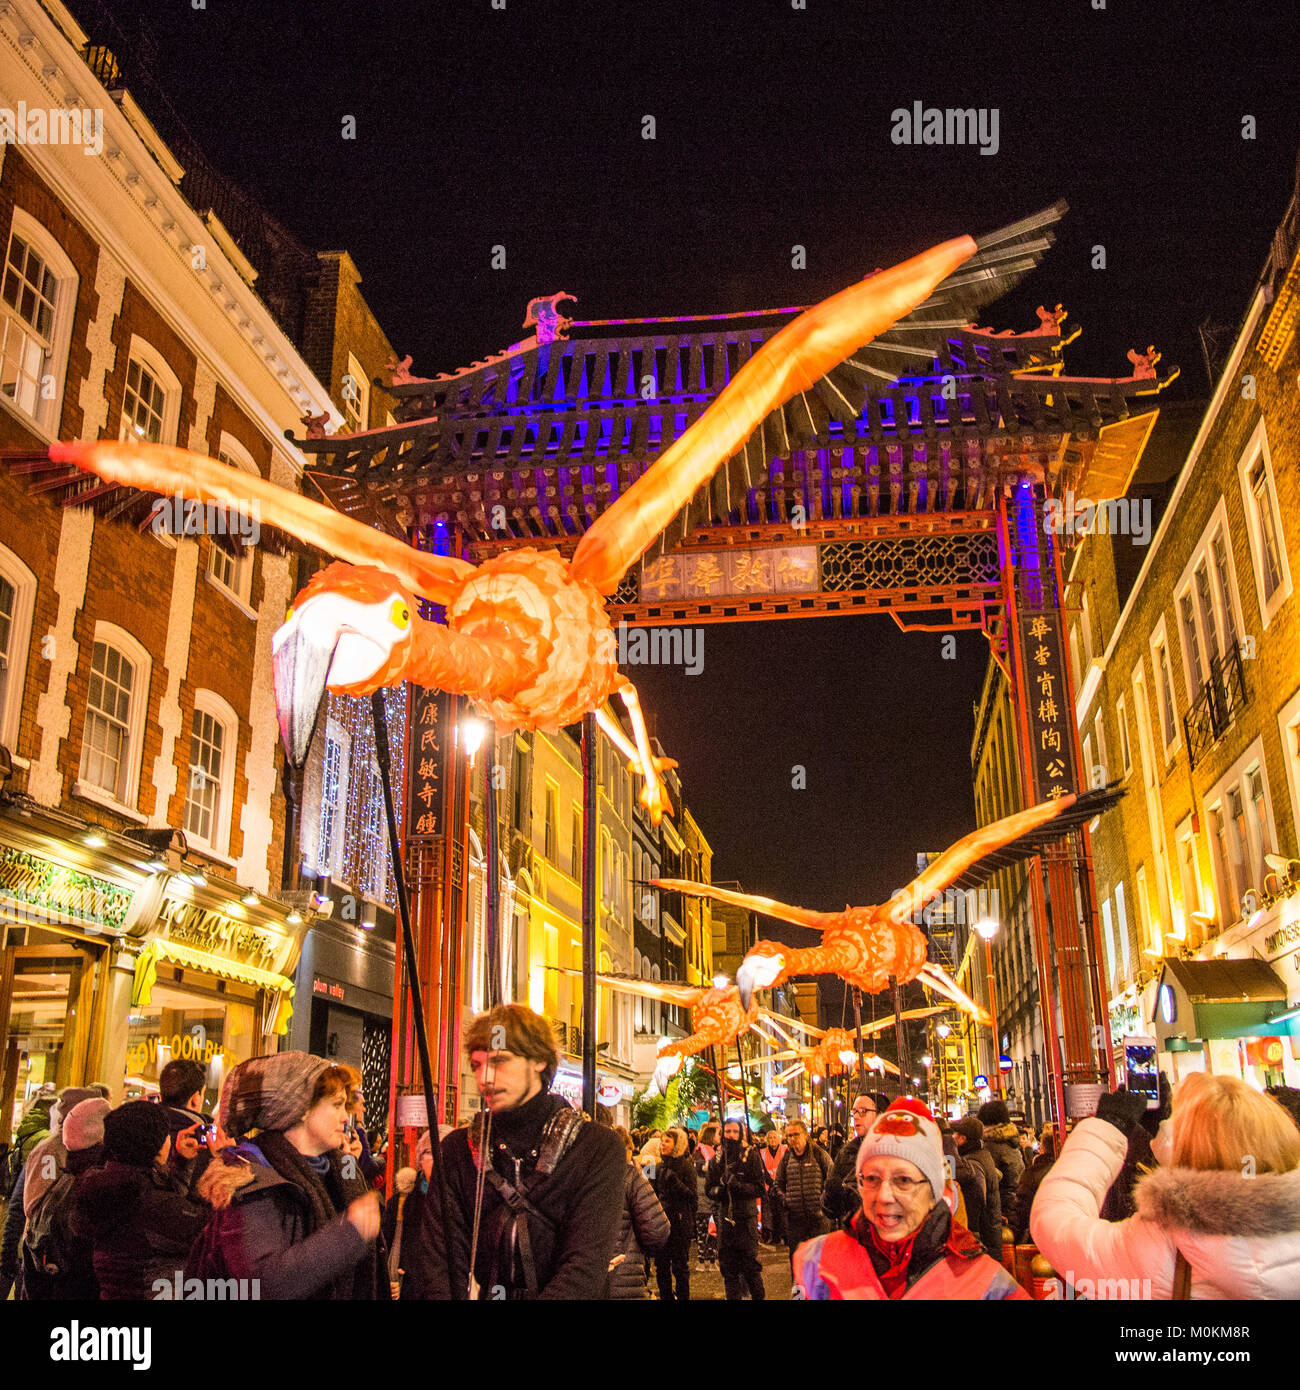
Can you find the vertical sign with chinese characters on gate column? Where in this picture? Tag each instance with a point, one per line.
(424, 810)
(1047, 703)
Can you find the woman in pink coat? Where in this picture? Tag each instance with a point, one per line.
(1223, 1210)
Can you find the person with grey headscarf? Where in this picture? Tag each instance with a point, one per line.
(291, 1210)
(46, 1161)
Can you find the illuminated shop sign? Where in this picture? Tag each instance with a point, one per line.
(188, 924)
(194, 1046)
(34, 889)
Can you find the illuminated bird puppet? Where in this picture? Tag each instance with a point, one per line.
(866, 946)
(526, 634)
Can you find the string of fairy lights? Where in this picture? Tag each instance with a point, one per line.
(365, 856)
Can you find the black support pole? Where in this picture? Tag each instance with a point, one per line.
(492, 872)
(382, 756)
(590, 913)
(857, 1033)
(900, 1037)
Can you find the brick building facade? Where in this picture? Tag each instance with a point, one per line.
(141, 830)
(1188, 680)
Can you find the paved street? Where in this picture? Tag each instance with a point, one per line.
(776, 1277)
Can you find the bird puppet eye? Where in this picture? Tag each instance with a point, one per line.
(401, 614)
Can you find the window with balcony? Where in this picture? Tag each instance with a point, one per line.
(38, 296)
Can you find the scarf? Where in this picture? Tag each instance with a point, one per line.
(896, 1256)
(328, 1195)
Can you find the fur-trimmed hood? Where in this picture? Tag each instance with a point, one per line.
(1002, 1134)
(1221, 1203)
(239, 1172)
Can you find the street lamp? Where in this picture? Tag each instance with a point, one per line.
(472, 731)
(987, 927)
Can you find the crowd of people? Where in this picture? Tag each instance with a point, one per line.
(280, 1197)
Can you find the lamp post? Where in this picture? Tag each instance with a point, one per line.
(987, 927)
(943, 1030)
(927, 1061)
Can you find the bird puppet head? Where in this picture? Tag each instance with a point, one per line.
(348, 630)
(761, 969)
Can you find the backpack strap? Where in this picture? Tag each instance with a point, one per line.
(1182, 1278)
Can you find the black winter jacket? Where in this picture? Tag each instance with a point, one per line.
(990, 1229)
(141, 1225)
(736, 1186)
(572, 1240)
(840, 1196)
(676, 1187)
(801, 1181)
(643, 1228)
(1003, 1144)
(260, 1228)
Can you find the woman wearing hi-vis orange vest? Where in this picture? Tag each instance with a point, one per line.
(903, 1242)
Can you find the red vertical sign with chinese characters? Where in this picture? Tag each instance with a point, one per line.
(1047, 703)
(424, 809)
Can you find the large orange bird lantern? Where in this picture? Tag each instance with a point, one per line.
(526, 633)
(867, 946)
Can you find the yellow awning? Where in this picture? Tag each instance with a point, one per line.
(146, 972)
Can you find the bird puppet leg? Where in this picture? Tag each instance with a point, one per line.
(654, 795)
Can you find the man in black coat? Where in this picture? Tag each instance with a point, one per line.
(840, 1197)
(553, 1189)
(735, 1180)
(969, 1134)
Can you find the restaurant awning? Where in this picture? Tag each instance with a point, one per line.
(1220, 999)
(146, 974)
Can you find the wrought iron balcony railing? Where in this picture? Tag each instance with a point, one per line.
(1216, 706)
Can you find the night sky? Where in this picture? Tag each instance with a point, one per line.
(523, 128)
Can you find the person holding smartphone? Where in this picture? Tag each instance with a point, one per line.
(181, 1086)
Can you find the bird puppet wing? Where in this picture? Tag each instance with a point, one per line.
(783, 912)
(670, 991)
(179, 473)
(817, 367)
(977, 856)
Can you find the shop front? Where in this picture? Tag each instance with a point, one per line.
(68, 896)
(211, 984)
(613, 1092)
(1229, 1017)
(118, 955)
(345, 1003)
